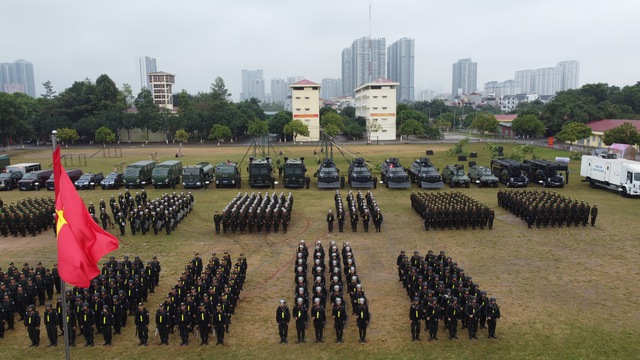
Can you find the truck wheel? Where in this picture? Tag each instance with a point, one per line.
(173, 186)
(307, 182)
(386, 184)
(467, 185)
(217, 186)
(495, 185)
(375, 182)
(624, 192)
(592, 184)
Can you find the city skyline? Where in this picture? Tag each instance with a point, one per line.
(249, 35)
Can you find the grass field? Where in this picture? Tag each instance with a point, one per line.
(565, 293)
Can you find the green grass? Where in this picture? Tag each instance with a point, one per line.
(565, 293)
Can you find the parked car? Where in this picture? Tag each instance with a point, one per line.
(9, 180)
(88, 181)
(112, 181)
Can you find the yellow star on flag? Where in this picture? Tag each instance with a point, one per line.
(61, 220)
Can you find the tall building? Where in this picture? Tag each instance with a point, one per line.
(17, 77)
(252, 85)
(331, 88)
(545, 81)
(147, 65)
(498, 89)
(305, 106)
(568, 75)
(376, 102)
(162, 88)
(526, 80)
(347, 72)
(279, 88)
(465, 77)
(367, 63)
(401, 68)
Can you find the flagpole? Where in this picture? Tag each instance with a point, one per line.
(63, 284)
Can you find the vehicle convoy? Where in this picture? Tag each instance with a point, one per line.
(88, 181)
(24, 168)
(9, 180)
(197, 176)
(73, 174)
(138, 174)
(360, 175)
(112, 181)
(228, 174)
(454, 175)
(425, 174)
(482, 176)
(34, 180)
(166, 174)
(261, 172)
(621, 175)
(393, 174)
(545, 173)
(295, 173)
(510, 172)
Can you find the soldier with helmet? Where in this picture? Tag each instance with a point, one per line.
(492, 314)
(32, 323)
(283, 316)
(339, 315)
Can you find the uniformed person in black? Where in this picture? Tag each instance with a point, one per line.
(162, 324)
(415, 318)
(362, 313)
(220, 321)
(51, 324)
(594, 214)
(142, 324)
(283, 316)
(330, 220)
(452, 313)
(493, 314)
(217, 219)
(32, 323)
(106, 324)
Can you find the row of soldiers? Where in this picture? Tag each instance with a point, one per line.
(302, 312)
(30, 215)
(255, 211)
(144, 215)
(547, 208)
(451, 209)
(203, 300)
(440, 290)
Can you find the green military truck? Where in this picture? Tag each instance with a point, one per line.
(261, 172)
(139, 173)
(454, 175)
(197, 176)
(167, 174)
(295, 173)
(228, 174)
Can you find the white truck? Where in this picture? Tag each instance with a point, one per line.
(616, 174)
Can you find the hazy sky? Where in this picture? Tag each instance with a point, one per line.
(198, 40)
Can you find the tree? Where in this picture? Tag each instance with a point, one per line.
(66, 135)
(278, 121)
(182, 136)
(219, 132)
(332, 118)
(411, 127)
(446, 120)
(528, 125)
(219, 90)
(458, 148)
(258, 128)
(127, 92)
(296, 127)
(48, 90)
(348, 111)
(105, 135)
(148, 112)
(485, 123)
(331, 129)
(623, 134)
(353, 129)
(573, 131)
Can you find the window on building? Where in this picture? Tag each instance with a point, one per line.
(306, 97)
(297, 109)
(307, 109)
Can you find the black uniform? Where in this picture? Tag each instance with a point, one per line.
(162, 324)
(220, 320)
(362, 312)
(330, 220)
(493, 314)
(142, 325)
(32, 322)
(301, 317)
(283, 316)
(415, 315)
(51, 324)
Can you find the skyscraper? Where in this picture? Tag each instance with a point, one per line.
(547, 81)
(347, 72)
(526, 80)
(279, 88)
(465, 77)
(331, 88)
(17, 77)
(147, 65)
(252, 85)
(401, 68)
(568, 75)
(367, 63)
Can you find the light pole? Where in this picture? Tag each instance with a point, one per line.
(54, 140)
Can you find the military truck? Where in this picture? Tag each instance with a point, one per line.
(425, 174)
(166, 174)
(138, 174)
(228, 174)
(545, 173)
(34, 180)
(329, 175)
(454, 175)
(482, 176)
(510, 172)
(295, 173)
(197, 176)
(360, 176)
(261, 172)
(393, 174)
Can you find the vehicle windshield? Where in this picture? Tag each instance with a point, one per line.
(328, 172)
(293, 170)
(29, 176)
(128, 173)
(190, 171)
(636, 176)
(459, 172)
(5, 176)
(259, 170)
(86, 177)
(226, 170)
(427, 172)
(397, 170)
(486, 172)
(162, 171)
(361, 170)
(111, 177)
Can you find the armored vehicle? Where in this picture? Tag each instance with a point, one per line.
(425, 174)
(228, 174)
(454, 175)
(261, 173)
(196, 176)
(545, 173)
(138, 174)
(482, 176)
(510, 172)
(393, 174)
(360, 176)
(167, 174)
(295, 173)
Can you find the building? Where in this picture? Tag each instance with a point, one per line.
(548, 81)
(279, 89)
(599, 127)
(147, 65)
(162, 89)
(17, 77)
(305, 106)
(252, 85)
(401, 68)
(499, 89)
(464, 77)
(376, 102)
(331, 88)
(366, 62)
(568, 75)
(525, 79)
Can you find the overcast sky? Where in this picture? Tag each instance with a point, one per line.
(198, 40)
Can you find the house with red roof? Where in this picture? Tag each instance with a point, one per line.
(599, 127)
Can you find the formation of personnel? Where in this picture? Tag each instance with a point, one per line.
(547, 208)
(30, 215)
(440, 290)
(317, 286)
(255, 212)
(451, 209)
(203, 300)
(359, 206)
(143, 215)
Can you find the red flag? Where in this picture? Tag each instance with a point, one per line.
(81, 242)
